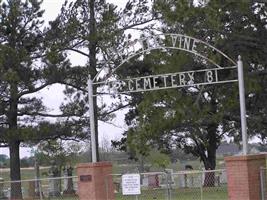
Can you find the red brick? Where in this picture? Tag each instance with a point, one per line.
(99, 186)
(243, 176)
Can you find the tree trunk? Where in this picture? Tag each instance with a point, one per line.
(209, 180)
(210, 162)
(15, 170)
(14, 143)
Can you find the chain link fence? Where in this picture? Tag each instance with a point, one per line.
(199, 185)
(153, 186)
(185, 185)
(43, 189)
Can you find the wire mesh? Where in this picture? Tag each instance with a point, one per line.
(200, 185)
(43, 189)
(185, 185)
(153, 186)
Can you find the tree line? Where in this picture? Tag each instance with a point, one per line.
(34, 56)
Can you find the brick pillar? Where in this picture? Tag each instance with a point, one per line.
(95, 182)
(243, 176)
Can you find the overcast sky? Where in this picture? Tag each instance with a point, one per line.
(53, 96)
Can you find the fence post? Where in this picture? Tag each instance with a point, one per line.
(40, 190)
(245, 170)
(168, 182)
(262, 179)
(201, 184)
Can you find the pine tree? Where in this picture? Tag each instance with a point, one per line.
(95, 29)
(26, 67)
(197, 119)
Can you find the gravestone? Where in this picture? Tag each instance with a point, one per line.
(169, 177)
(68, 182)
(31, 190)
(2, 193)
(145, 181)
(153, 181)
(181, 181)
(38, 190)
(188, 177)
(54, 181)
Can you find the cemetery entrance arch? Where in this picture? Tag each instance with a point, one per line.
(198, 48)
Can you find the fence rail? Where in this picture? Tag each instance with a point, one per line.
(185, 185)
(167, 185)
(47, 188)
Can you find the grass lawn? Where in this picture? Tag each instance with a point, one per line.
(214, 193)
(26, 173)
(176, 194)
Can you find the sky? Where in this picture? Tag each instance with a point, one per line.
(52, 96)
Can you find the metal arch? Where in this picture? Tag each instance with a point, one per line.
(138, 52)
(207, 44)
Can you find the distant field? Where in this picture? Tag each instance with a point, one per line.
(180, 194)
(26, 173)
(29, 173)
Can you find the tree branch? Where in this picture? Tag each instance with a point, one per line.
(138, 24)
(72, 85)
(48, 115)
(35, 89)
(4, 145)
(110, 123)
(77, 51)
(116, 109)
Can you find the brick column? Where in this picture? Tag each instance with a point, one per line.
(243, 176)
(95, 182)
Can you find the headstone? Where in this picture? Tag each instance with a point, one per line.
(68, 182)
(153, 181)
(188, 177)
(145, 181)
(169, 177)
(54, 181)
(191, 180)
(181, 180)
(31, 190)
(2, 193)
(38, 190)
(223, 177)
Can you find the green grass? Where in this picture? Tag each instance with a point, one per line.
(26, 173)
(214, 193)
(62, 198)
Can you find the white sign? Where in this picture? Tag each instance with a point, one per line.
(131, 184)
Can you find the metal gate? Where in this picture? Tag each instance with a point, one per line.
(184, 185)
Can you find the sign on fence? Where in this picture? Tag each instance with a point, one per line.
(131, 184)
